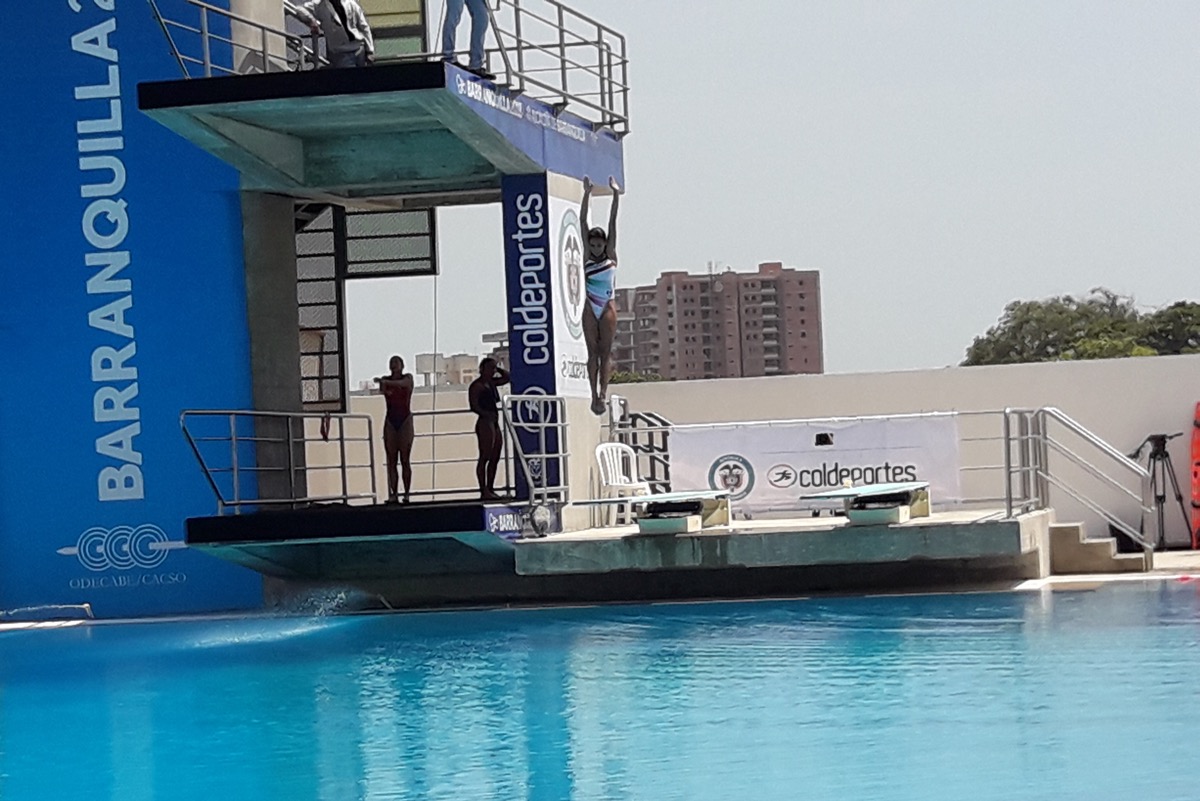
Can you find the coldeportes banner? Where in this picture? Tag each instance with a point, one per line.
(126, 305)
(770, 467)
(530, 273)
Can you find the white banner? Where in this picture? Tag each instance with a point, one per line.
(768, 467)
(567, 244)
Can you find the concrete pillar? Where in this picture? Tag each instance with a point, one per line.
(544, 264)
(269, 246)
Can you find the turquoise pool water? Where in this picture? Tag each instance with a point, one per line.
(1023, 696)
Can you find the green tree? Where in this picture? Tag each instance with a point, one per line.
(1064, 327)
(1174, 329)
(1109, 347)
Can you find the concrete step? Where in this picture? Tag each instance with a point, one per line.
(1071, 553)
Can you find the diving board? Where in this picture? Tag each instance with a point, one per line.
(872, 504)
(673, 512)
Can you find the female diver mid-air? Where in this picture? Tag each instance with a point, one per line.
(600, 314)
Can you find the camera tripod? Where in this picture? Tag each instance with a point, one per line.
(1162, 471)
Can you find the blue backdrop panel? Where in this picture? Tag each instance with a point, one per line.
(530, 279)
(126, 305)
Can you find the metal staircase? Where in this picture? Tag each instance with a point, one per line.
(649, 435)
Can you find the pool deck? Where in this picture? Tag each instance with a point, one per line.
(964, 537)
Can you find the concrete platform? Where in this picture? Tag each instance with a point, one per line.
(967, 537)
(441, 557)
(359, 543)
(429, 131)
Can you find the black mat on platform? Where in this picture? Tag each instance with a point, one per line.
(338, 522)
(275, 85)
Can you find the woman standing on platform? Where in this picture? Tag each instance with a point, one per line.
(484, 397)
(600, 276)
(397, 388)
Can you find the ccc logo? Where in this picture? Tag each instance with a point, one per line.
(123, 547)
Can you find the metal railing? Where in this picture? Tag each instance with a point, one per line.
(459, 455)
(216, 41)
(1038, 436)
(542, 49)
(550, 52)
(544, 455)
(265, 459)
(649, 434)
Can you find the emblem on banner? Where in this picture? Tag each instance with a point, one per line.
(570, 266)
(535, 469)
(782, 476)
(733, 473)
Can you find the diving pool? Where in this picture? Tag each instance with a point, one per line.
(1088, 695)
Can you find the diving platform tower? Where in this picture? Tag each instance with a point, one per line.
(383, 147)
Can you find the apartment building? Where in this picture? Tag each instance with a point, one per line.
(722, 324)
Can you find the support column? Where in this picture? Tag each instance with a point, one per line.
(269, 245)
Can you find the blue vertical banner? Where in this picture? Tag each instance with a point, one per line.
(127, 305)
(530, 281)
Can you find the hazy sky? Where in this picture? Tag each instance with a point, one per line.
(934, 160)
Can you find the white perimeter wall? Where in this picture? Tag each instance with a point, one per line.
(1121, 400)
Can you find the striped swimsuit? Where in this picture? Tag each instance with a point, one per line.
(600, 278)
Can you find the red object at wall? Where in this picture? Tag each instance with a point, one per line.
(1196, 479)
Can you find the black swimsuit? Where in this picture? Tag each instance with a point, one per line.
(489, 399)
(399, 406)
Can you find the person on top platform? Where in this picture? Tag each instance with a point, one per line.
(348, 39)
(600, 313)
(397, 388)
(484, 397)
(479, 26)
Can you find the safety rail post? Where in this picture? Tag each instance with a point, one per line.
(1026, 460)
(606, 83)
(371, 458)
(505, 456)
(1008, 495)
(508, 69)
(205, 47)
(233, 461)
(342, 456)
(266, 50)
(1043, 457)
(564, 452)
(562, 52)
(519, 40)
(291, 444)
(1040, 460)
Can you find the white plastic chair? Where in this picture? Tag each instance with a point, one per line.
(619, 479)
